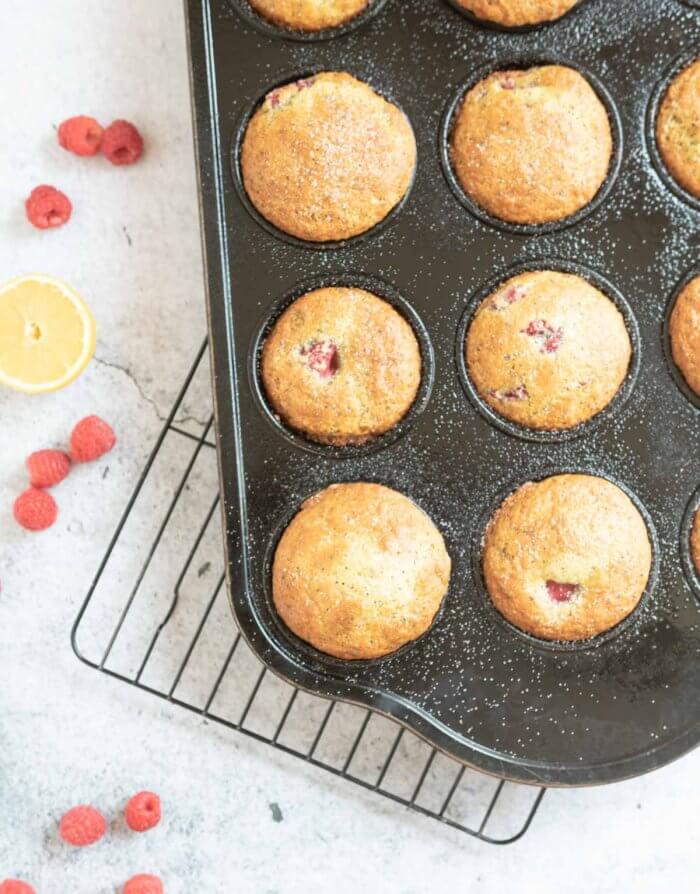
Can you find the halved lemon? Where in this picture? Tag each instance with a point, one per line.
(47, 334)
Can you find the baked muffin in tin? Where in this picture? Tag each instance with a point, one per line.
(326, 158)
(695, 542)
(341, 366)
(309, 15)
(566, 558)
(684, 333)
(517, 13)
(532, 146)
(547, 350)
(678, 128)
(360, 571)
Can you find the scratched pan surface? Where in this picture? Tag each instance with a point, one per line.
(472, 685)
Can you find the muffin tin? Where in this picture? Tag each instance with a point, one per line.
(512, 705)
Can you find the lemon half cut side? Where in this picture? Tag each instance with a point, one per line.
(47, 334)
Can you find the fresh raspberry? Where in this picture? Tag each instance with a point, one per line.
(82, 825)
(47, 207)
(47, 467)
(122, 144)
(90, 439)
(322, 357)
(80, 135)
(144, 884)
(35, 510)
(561, 592)
(143, 812)
(14, 886)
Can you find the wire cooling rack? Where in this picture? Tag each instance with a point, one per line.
(157, 617)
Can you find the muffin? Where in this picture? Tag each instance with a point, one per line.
(341, 366)
(695, 542)
(678, 129)
(309, 15)
(566, 558)
(684, 332)
(547, 350)
(531, 146)
(326, 158)
(517, 13)
(360, 571)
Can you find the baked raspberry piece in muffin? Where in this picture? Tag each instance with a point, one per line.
(678, 128)
(566, 558)
(517, 13)
(532, 146)
(684, 332)
(309, 15)
(547, 350)
(326, 158)
(360, 571)
(341, 366)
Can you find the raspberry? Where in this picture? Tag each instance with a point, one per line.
(143, 812)
(90, 439)
(505, 298)
(47, 207)
(561, 592)
(508, 82)
(47, 467)
(80, 135)
(122, 144)
(14, 886)
(35, 510)
(519, 393)
(82, 825)
(322, 357)
(144, 884)
(548, 337)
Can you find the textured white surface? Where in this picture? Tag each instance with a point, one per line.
(68, 734)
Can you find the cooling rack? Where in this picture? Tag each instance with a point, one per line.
(157, 617)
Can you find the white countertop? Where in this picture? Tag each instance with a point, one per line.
(68, 734)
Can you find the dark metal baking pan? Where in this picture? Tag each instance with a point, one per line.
(497, 700)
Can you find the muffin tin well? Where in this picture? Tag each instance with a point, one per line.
(247, 12)
(289, 78)
(678, 376)
(490, 696)
(518, 29)
(672, 71)
(543, 435)
(524, 62)
(398, 302)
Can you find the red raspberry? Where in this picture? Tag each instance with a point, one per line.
(144, 884)
(35, 510)
(143, 812)
(91, 438)
(122, 144)
(81, 135)
(48, 207)
(322, 357)
(82, 825)
(558, 592)
(47, 467)
(14, 886)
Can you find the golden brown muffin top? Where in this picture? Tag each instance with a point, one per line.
(567, 558)
(547, 350)
(678, 128)
(309, 15)
(532, 146)
(516, 13)
(341, 365)
(684, 330)
(695, 542)
(327, 158)
(360, 571)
